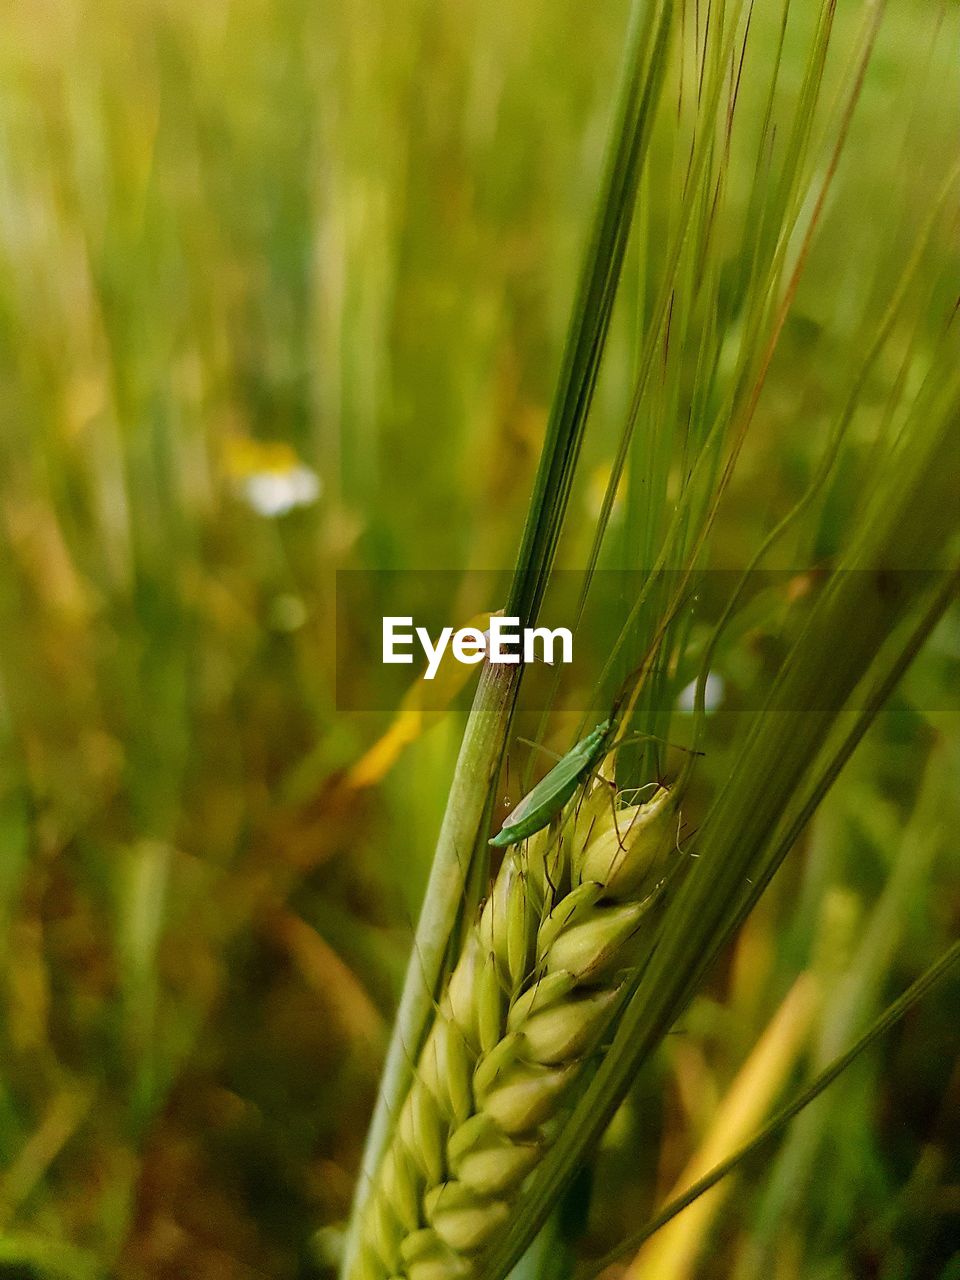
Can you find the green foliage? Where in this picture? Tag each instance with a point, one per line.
(354, 232)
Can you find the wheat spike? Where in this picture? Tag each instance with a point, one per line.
(533, 993)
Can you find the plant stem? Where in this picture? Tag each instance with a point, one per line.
(477, 766)
(488, 726)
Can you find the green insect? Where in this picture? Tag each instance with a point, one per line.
(553, 791)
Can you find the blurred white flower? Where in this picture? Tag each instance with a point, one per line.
(713, 693)
(269, 476)
(274, 493)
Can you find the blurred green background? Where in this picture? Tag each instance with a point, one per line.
(282, 290)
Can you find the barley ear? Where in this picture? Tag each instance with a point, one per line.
(526, 1006)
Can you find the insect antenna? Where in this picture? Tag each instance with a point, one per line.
(538, 746)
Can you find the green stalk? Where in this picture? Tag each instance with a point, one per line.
(476, 768)
(488, 725)
(913, 526)
(639, 95)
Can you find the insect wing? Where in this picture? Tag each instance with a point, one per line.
(552, 791)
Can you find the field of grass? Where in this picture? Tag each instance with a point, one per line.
(283, 291)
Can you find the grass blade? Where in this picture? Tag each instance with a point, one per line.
(894, 1013)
